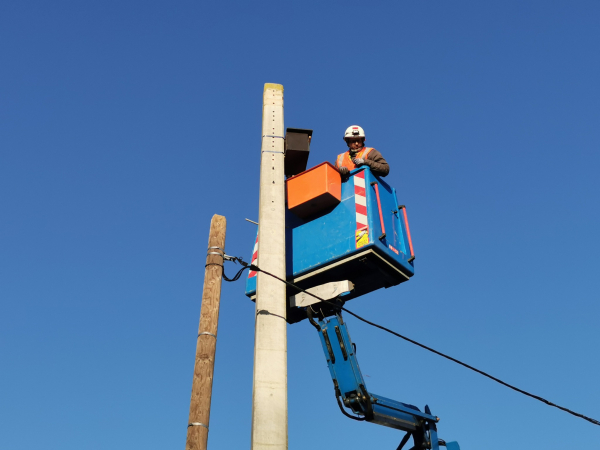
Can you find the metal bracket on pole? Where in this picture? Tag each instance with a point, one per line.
(208, 334)
(325, 291)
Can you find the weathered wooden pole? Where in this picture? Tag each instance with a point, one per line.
(269, 395)
(197, 432)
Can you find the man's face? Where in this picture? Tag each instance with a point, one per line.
(355, 144)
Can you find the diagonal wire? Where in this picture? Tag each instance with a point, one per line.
(481, 372)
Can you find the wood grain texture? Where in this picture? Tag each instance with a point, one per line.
(197, 436)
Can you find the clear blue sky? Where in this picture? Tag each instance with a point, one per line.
(124, 126)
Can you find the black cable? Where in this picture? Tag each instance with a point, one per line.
(235, 277)
(360, 419)
(481, 372)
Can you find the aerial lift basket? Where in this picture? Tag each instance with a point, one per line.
(338, 230)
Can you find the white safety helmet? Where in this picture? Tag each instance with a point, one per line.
(354, 131)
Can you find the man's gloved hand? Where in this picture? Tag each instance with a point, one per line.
(343, 171)
(358, 161)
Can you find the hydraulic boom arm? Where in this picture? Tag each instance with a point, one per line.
(351, 391)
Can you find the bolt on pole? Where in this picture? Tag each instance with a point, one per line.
(269, 396)
(206, 345)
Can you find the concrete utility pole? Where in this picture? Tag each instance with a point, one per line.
(197, 432)
(269, 397)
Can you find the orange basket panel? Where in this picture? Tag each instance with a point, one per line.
(314, 190)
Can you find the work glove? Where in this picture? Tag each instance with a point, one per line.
(358, 161)
(343, 171)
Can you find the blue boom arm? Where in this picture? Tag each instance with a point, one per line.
(351, 391)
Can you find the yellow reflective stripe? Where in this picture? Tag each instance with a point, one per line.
(365, 152)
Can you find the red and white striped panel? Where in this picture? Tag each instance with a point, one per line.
(360, 200)
(252, 273)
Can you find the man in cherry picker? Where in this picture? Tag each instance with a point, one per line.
(359, 155)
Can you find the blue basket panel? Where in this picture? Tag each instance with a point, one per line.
(324, 239)
(398, 234)
(394, 224)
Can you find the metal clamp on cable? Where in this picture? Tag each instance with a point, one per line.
(235, 259)
(224, 255)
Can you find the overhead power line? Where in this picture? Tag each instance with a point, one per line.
(412, 341)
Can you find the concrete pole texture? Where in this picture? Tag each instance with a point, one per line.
(269, 396)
